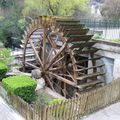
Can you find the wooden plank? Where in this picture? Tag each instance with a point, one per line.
(68, 27)
(30, 60)
(27, 55)
(90, 76)
(76, 31)
(28, 46)
(82, 45)
(88, 84)
(78, 38)
(71, 25)
(88, 51)
(68, 21)
(44, 48)
(37, 32)
(34, 41)
(84, 60)
(93, 63)
(35, 36)
(93, 67)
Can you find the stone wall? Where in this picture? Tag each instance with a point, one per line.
(111, 59)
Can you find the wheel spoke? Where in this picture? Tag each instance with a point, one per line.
(55, 57)
(65, 75)
(49, 82)
(59, 59)
(63, 79)
(71, 76)
(52, 43)
(44, 48)
(32, 65)
(57, 68)
(33, 47)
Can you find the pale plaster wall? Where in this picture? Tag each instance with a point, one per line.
(111, 59)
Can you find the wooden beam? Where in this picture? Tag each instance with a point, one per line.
(49, 82)
(34, 49)
(93, 67)
(32, 65)
(89, 84)
(84, 60)
(82, 45)
(44, 48)
(78, 38)
(68, 21)
(63, 79)
(76, 52)
(52, 61)
(90, 76)
(71, 25)
(65, 75)
(52, 43)
(55, 69)
(75, 32)
(59, 59)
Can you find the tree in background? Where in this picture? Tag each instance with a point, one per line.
(34, 8)
(11, 23)
(14, 14)
(111, 9)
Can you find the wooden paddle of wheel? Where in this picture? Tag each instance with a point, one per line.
(61, 49)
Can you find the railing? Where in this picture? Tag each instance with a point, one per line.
(71, 109)
(103, 29)
(101, 23)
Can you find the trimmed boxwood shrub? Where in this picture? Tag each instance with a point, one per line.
(23, 86)
(3, 70)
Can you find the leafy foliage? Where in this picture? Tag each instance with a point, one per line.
(5, 56)
(22, 86)
(54, 101)
(53, 7)
(14, 14)
(111, 9)
(3, 70)
(60, 107)
(11, 28)
(44, 99)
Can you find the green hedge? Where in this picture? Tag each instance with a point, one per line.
(3, 70)
(22, 86)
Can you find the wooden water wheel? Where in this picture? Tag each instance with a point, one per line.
(61, 49)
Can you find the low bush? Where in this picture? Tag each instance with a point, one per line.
(22, 86)
(3, 70)
(54, 101)
(61, 108)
